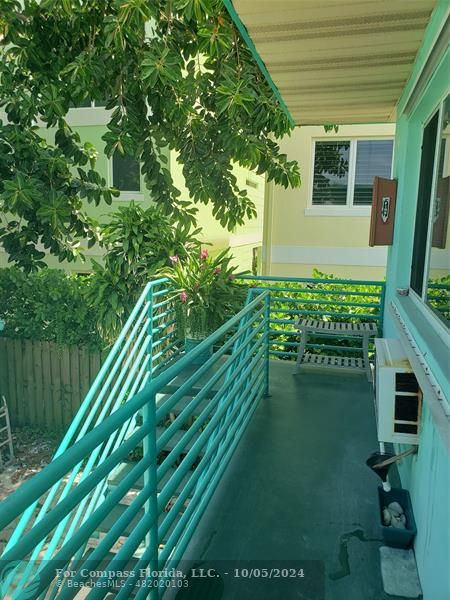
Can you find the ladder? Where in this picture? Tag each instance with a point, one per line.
(5, 432)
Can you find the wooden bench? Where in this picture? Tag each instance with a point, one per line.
(309, 327)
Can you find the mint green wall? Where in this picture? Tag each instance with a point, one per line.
(427, 475)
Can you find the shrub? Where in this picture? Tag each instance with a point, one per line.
(206, 293)
(47, 305)
(138, 245)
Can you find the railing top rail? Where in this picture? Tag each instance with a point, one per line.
(310, 280)
(34, 488)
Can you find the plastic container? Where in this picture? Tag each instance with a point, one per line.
(190, 344)
(397, 538)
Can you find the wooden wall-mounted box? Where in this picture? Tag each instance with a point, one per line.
(383, 212)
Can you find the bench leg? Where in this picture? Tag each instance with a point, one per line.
(366, 357)
(301, 349)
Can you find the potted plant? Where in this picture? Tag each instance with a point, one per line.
(206, 294)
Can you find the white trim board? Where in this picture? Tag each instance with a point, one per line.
(245, 239)
(79, 117)
(341, 255)
(88, 116)
(336, 211)
(433, 394)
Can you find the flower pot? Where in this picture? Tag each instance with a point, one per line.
(191, 343)
(397, 538)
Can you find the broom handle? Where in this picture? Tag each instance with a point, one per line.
(395, 458)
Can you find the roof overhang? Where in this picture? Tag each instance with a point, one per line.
(335, 61)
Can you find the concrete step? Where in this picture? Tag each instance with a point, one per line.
(162, 398)
(201, 382)
(176, 437)
(173, 441)
(118, 511)
(123, 469)
(115, 587)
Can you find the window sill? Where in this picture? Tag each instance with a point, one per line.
(128, 196)
(88, 115)
(338, 211)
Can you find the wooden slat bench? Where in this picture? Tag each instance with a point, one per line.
(309, 327)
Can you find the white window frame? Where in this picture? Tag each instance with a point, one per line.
(349, 210)
(126, 196)
(421, 300)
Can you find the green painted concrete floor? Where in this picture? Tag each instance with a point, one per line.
(297, 489)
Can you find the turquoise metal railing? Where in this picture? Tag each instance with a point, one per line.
(292, 298)
(177, 430)
(147, 342)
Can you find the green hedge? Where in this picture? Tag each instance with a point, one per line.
(284, 341)
(48, 305)
(56, 306)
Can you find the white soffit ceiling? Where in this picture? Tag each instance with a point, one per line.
(337, 61)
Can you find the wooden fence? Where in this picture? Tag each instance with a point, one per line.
(44, 383)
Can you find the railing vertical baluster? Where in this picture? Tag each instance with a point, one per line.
(151, 480)
(150, 331)
(149, 446)
(267, 336)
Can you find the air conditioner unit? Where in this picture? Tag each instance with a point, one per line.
(398, 403)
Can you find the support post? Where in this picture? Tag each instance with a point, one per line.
(382, 303)
(149, 447)
(301, 348)
(365, 346)
(150, 332)
(151, 480)
(267, 336)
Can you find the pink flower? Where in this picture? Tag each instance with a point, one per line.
(231, 276)
(217, 270)
(183, 296)
(174, 259)
(204, 254)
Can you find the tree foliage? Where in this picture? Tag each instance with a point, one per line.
(175, 74)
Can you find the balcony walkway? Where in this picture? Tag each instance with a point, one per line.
(297, 489)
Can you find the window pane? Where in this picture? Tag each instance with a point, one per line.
(86, 103)
(438, 289)
(373, 158)
(126, 173)
(331, 173)
(423, 204)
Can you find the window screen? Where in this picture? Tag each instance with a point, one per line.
(126, 175)
(331, 173)
(86, 103)
(373, 158)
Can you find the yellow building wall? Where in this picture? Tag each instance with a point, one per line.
(244, 238)
(299, 237)
(90, 124)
